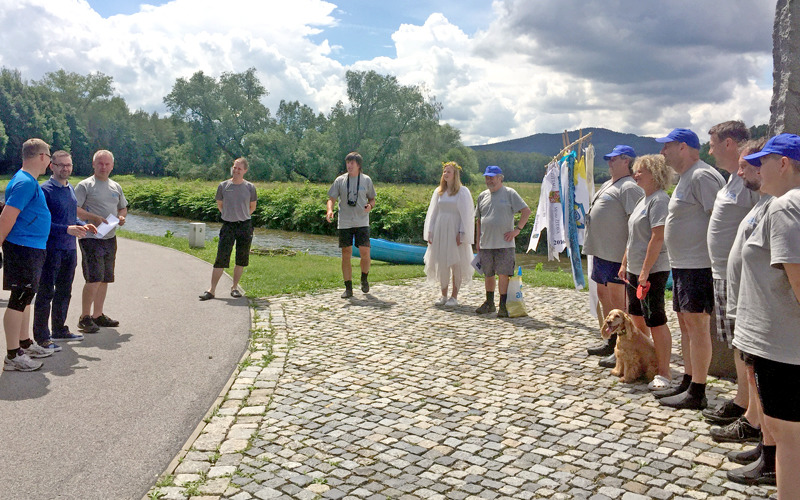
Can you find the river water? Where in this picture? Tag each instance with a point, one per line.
(156, 225)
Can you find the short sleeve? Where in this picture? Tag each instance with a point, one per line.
(784, 237)
(705, 186)
(657, 214)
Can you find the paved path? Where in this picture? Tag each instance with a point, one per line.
(104, 417)
(386, 396)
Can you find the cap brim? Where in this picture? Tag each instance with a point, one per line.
(755, 158)
(664, 140)
(490, 175)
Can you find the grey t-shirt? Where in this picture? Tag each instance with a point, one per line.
(607, 220)
(649, 213)
(361, 191)
(689, 211)
(768, 311)
(236, 199)
(733, 202)
(495, 211)
(744, 231)
(101, 198)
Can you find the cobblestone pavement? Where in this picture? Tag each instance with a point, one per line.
(386, 396)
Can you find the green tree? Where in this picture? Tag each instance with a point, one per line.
(222, 113)
(3, 139)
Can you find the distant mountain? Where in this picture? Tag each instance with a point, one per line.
(603, 139)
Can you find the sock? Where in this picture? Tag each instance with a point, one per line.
(12, 353)
(503, 297)
(348, 284)
(490, 297)
(364, 276)
(697, 390)
(684, 385)
(25, 343)
(768, 455)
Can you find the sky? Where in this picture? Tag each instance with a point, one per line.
(501, 69)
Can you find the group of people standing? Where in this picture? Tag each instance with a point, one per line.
(733, 248)
(39, 226)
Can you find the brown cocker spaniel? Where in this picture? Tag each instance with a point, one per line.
(636, 356)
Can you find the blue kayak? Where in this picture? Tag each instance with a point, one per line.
(396, 253)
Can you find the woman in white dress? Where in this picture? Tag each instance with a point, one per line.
(449, 231)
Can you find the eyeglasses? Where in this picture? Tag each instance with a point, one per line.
(62, 165)
(47, 155)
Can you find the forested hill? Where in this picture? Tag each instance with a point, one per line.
(603, 139)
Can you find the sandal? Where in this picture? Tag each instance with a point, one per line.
(235, 293)
(659, 383)
(207, 296)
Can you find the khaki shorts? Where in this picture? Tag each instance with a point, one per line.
(497, 261)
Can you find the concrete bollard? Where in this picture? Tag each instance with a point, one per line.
(197, 235)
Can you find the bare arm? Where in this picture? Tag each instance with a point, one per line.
(653, 249)
(524, 214)
(252, 207)
(329, 205)
(477, 234)
(7, 220)
(792, 272)
(121, 214)
(90, 217)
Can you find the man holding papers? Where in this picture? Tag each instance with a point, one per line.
(102, 203)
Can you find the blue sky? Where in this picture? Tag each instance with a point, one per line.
(501, 69)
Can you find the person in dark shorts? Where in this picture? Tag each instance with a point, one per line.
(98, 198)
(355, 195)
(690, 209)
(58, 272)
(236, 201)
(24, 226)
(495, 234)
(768, 312)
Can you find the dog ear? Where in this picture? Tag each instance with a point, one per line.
(629, 326)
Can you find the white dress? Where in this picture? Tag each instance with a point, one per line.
(447, 217)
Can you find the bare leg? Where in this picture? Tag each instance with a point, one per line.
(638, 322)
(742, 387)
(100, 299)
(787, 456)
(237, 275)
(686, 347)
(503, 282)
(456, 281)
(663, 342)
(365, 259)
(87, 298)
(490, 283)
(347, 270)
(216, 274)
(12, 324)
(754, 412)
(699, 326)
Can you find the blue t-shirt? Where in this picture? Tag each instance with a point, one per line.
(33, 223)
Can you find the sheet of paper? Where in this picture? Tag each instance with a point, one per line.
(476, 263)
(105, 227)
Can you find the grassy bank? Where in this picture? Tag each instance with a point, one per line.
(270, 275)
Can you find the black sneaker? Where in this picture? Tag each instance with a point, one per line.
(601, 350)
(608, 362)
(502, 312)
(745, 457)
(755, 473)
(724, 414)
(348, 292)
(364, 286)
(678, 389)
(486, 308)
(684, 401)
(739, 431)
(87, 325)
(105, 321)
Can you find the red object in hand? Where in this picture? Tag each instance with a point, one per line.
(641, 291)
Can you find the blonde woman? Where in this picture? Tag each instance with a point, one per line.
(646, 260)
(449, 231)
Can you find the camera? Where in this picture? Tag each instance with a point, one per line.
(352, 203)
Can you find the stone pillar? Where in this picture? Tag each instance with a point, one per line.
(197, 235)
(785, 106)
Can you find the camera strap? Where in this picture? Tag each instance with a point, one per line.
(358, 187)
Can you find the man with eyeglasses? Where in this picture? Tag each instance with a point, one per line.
(356, 196)
(24, 226)
(58, 272)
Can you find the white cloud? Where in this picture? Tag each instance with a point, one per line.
(535, 67)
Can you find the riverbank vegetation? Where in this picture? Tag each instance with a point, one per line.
(398, 216)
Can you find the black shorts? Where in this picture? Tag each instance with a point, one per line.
(358, 234)
(22, 266)
(779, 397)
(605, 271)
(652, 308)
(98, 258)
(240, 233)
(693, 291)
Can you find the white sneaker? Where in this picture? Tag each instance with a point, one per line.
(659, 383)
(21, 363)
(451, 302)
(37, 351)
(442, 301)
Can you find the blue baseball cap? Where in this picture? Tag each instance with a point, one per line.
(492, 170)
(620, 149)
(682, 135)
(784, 144)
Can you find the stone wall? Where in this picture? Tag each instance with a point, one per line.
(785, 106)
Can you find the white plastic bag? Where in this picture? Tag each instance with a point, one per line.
(515, 304)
